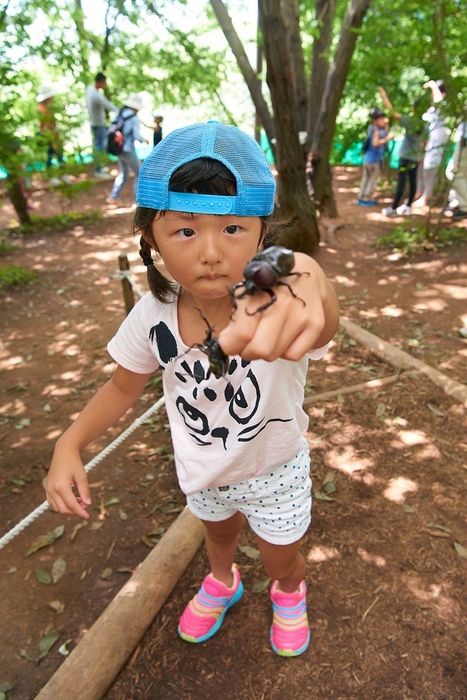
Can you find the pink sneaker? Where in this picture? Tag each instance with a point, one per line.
(290, 632)
(205, 613)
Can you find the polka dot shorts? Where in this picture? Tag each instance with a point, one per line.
(277, 505)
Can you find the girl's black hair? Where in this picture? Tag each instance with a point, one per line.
(201, 176)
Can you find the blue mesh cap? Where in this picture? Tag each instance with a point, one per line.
(235, 149)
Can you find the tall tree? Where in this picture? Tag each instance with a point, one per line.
(323, 133)
(293, 107)
(249, 75)
(292, 191)
(324, 19)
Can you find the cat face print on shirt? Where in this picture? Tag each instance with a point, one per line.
(239, 391)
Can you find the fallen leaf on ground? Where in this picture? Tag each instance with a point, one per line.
(43, 576)
(106, 574)
(58, 569)
(261, 585)
(250, 552)
(322, 496)
(46, 540)
(47, 643)
(462, 551)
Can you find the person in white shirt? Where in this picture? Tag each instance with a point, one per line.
(205, 197)
(438, 136)
(98, 105)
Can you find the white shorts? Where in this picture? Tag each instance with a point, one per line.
(277, 505)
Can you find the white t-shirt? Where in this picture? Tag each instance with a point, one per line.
(224, 430)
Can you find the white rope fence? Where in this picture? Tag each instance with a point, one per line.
(126, 274)
(90, 465)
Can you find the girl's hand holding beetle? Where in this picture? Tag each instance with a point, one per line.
(289, 327)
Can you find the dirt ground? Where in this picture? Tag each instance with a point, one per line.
(387, 546)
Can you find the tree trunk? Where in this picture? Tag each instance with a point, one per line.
(18, 199)
(291, 12)
(335, 82)
(293, 195)
(247, 71)
(84, 68)
(325, 11)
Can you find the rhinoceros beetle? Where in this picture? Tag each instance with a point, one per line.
(218, 360)
(263, 273)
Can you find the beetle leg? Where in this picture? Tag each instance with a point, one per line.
(264, 306)
(285, 284)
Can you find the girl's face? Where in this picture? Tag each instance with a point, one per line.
(206, 254)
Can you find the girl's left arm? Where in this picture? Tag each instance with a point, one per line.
(292, 325)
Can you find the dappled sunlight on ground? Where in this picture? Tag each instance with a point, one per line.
(321, 554)
(347, 461)
(345, 281)
(390, 279)
(452, 290)
(393, 311)
(375, 559)
(399, 488)
(434, 595)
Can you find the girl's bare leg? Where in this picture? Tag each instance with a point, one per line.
(283, 563)
(221, 544)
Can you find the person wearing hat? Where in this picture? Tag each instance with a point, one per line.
(377, 139)
(128, 160)
(438, 136)
(47, 123)
(98, 104)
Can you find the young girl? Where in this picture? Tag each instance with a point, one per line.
(205, 194)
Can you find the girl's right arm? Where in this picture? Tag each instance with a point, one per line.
(67, 470)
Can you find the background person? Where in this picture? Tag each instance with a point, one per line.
(378, 137)
(438, 136)
(48, 129)
(409, 155)
(128, 160)
(157, 136)
(97, 104)
(457, 173)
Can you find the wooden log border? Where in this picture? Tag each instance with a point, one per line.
(94, 664)
(403, 360)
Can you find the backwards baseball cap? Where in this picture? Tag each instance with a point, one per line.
(227, 144)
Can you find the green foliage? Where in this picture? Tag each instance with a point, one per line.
(5, 246)
(416, 239)
(12, 275)
(403, 44)
(68, 192)
(59, 222)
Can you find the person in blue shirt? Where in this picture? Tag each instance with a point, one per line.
(378, 137)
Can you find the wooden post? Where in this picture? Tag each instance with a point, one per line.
(94, 664)
(128, 296)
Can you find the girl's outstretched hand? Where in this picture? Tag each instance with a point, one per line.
(67, 471)
(291, 326)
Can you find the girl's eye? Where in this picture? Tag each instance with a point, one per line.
(186, 232)
(232, 229)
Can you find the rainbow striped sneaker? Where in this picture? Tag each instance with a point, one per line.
(205, 613)
(290, 632)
